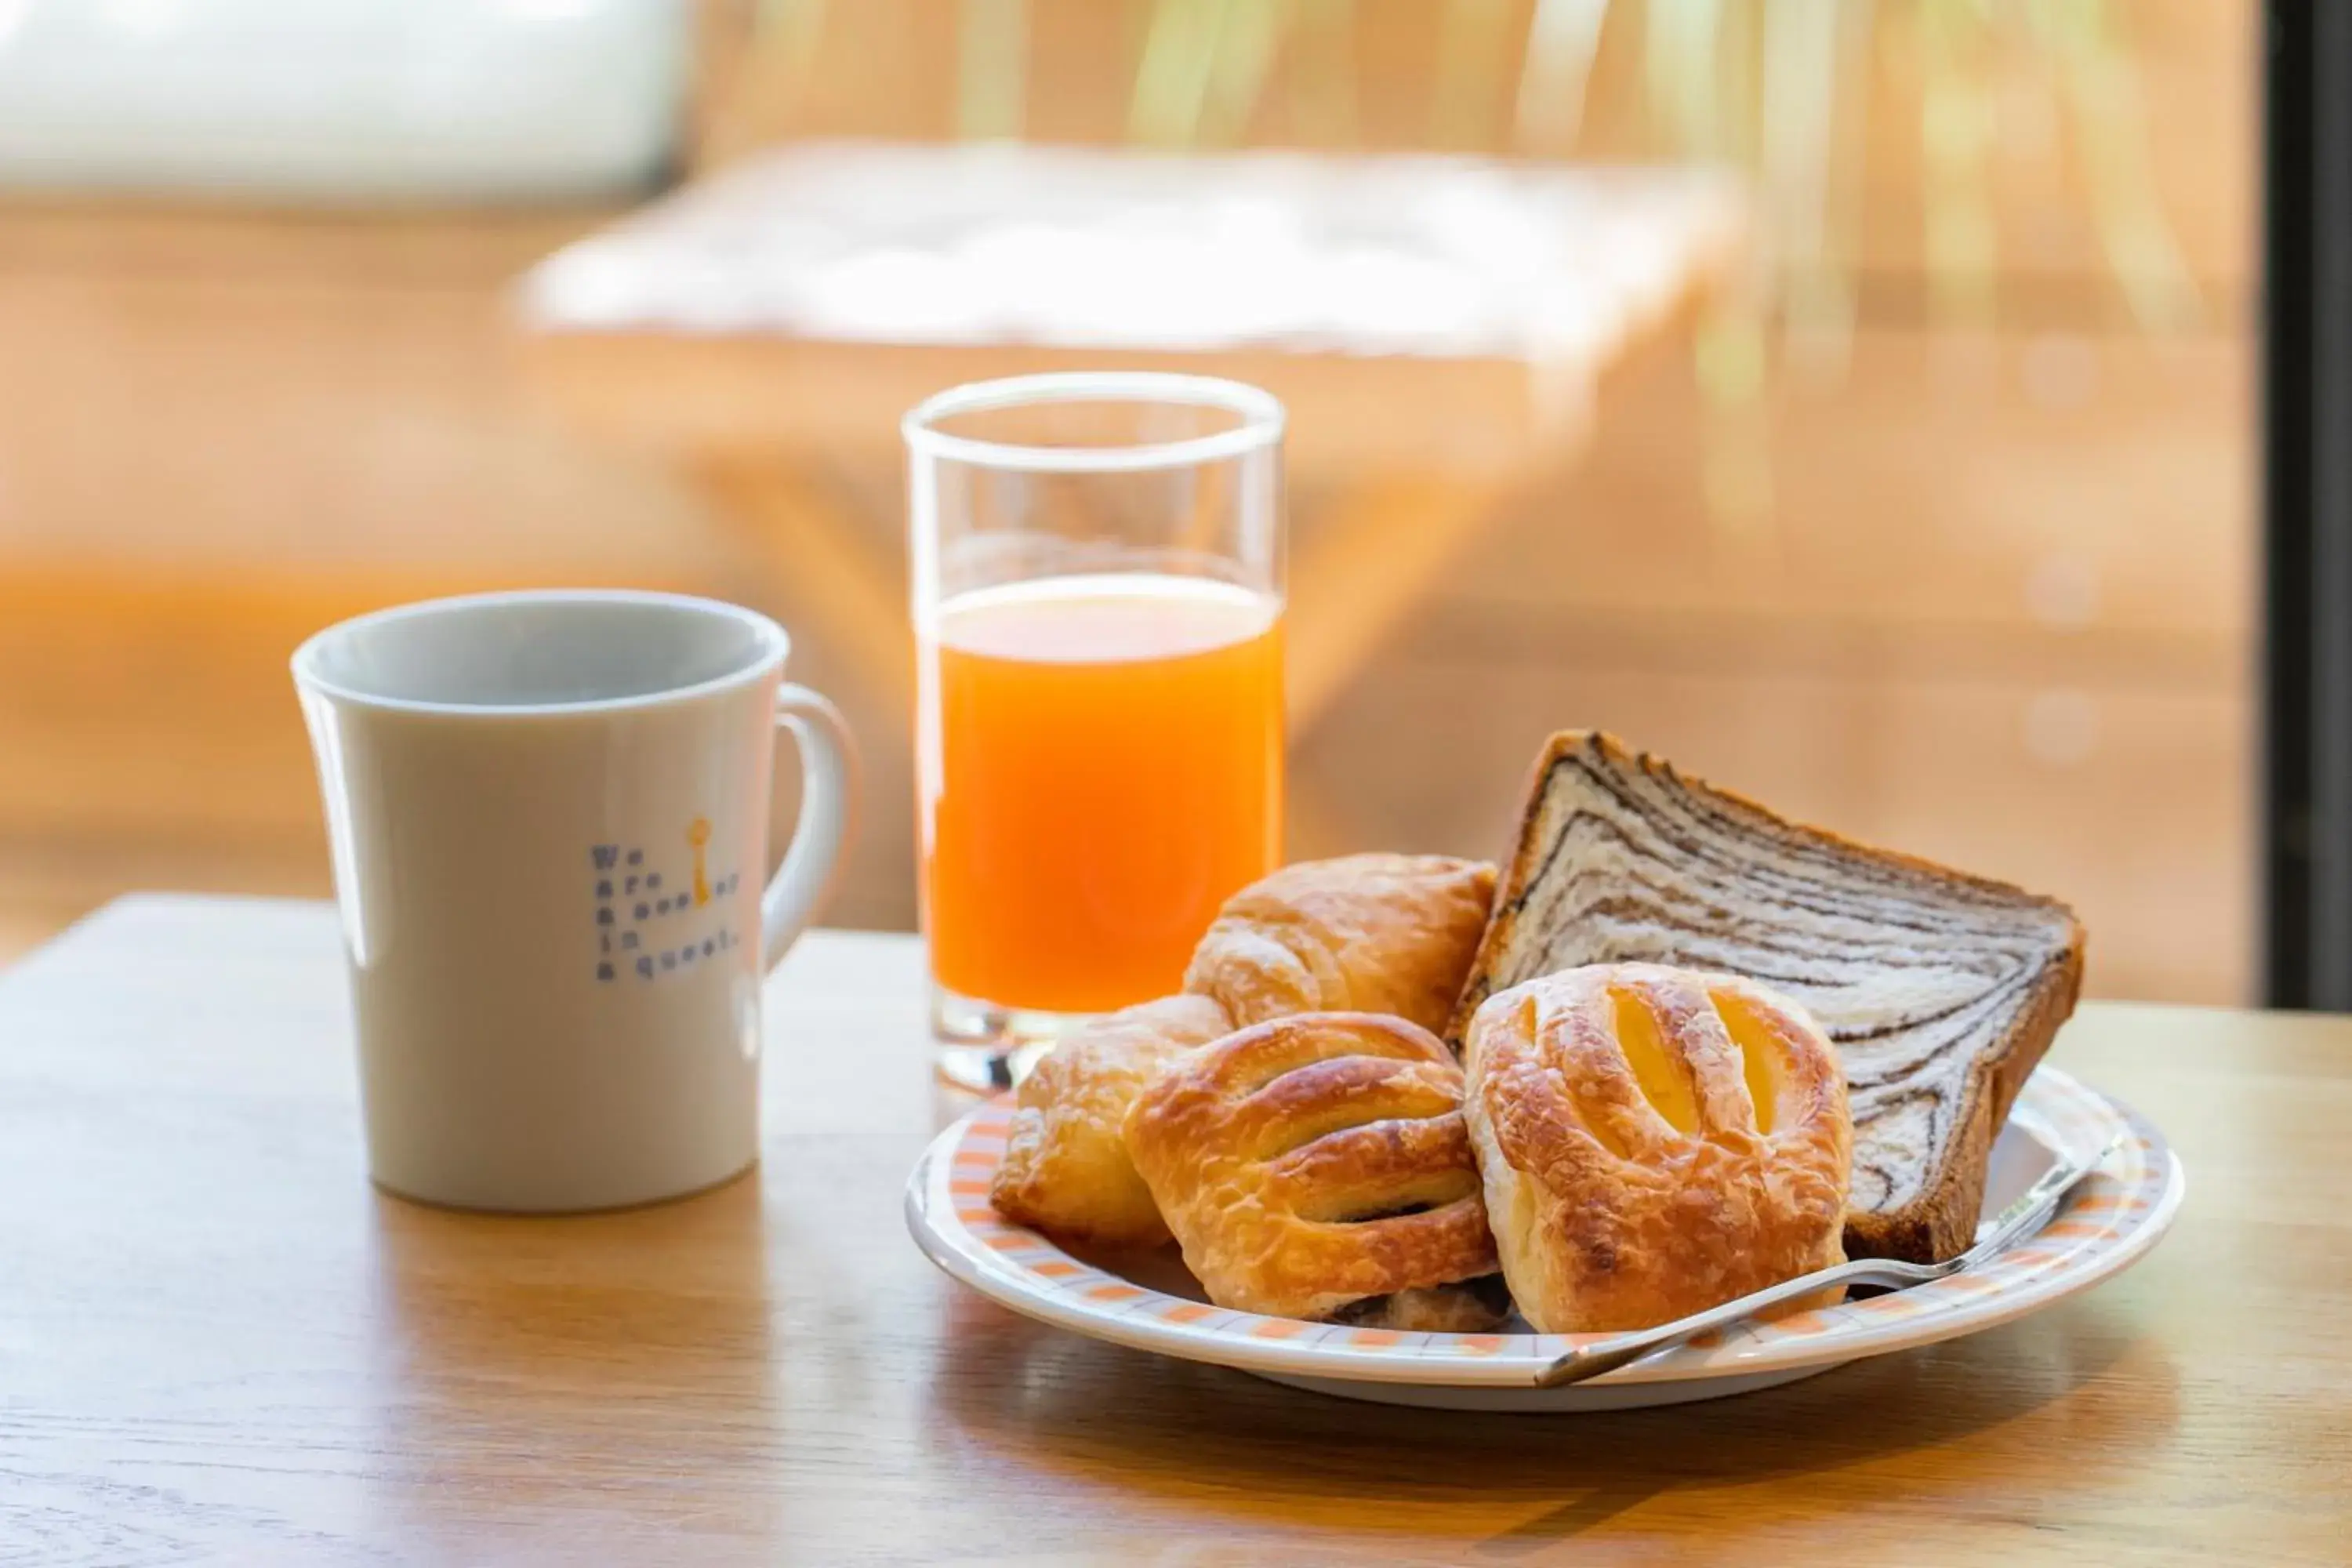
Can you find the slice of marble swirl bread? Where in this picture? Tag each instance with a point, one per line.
(1940, 990)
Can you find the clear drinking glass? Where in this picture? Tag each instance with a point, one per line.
(1097, 602)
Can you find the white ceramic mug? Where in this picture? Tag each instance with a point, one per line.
(549, 813)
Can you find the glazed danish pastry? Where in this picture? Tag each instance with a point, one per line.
(1653, 1142)
(1384, 932)
(1317, 1166)
(1364, 933)
(1065, 1167)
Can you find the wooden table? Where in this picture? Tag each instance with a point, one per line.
(217, 1343)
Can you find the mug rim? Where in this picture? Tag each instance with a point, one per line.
(775, 644)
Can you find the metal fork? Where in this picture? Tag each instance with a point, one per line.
(2021, 1219)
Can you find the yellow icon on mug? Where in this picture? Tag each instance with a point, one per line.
(699, 835)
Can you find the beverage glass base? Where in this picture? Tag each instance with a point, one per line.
(988, 1048)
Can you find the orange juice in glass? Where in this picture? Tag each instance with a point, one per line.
(1099, 730)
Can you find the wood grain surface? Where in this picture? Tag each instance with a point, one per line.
(218, 1344)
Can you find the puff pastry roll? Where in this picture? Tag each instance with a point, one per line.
(1653, 1142)
(1366, 933)
(1317, 1166)
(1065, 1167)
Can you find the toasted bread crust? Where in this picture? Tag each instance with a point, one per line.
(1941, 1219)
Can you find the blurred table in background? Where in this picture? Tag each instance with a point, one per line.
(1984, 593)
(1437, 327)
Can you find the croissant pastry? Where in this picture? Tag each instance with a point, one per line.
(1380, 932)
(1366, 933)
(1317, 1166)
(1653, 1142)
(1065, 1167)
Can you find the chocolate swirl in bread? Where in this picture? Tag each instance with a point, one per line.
(1940, 990)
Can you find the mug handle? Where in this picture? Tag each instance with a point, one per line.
(829, 780)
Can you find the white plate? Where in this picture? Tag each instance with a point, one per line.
(1149, 1302)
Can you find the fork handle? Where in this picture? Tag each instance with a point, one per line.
(1579, 1365)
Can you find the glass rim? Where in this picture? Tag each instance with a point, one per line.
(1261, 414)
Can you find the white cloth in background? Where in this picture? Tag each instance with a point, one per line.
(341, 100)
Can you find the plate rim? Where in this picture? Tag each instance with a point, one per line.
(1251, 1342)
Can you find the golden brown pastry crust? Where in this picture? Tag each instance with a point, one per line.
(1364, 933)
(1265, 1149)
(1379, 932)
(1630, 1178)
(1065, 1167)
